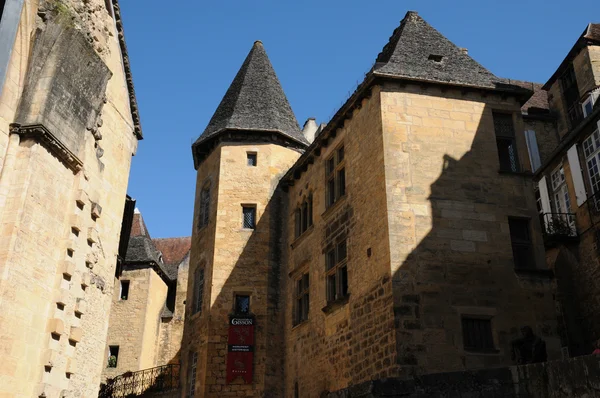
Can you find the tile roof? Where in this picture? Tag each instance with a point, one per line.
(538, 103)
(418, 51)
(254, 101)
(173, 250)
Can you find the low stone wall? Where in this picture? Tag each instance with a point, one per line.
(578, 377)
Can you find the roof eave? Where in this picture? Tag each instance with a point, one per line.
(135, 114)
(200, 142)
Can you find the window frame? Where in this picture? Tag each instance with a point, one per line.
(252, 208)
(125, 290)
(235, 304)
(303, 216)
(335, 176)
(192, 374)
(487, 343)
(336, 270)
(198, 290)
(251, 159)
(112, 353)
(204, 212)
(521, 244)
(591, 153)
(301, 299)
(588, 101)
(560, 191)
(514, 165)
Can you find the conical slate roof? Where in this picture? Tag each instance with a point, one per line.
(255, 101)
(418, 51)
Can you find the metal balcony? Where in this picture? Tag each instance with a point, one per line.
(559, 227)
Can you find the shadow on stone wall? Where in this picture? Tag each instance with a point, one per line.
(573, 378)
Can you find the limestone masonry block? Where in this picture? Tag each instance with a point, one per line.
(81, 306)
(92, 234)
(96, 210)
(68, 267)
(50, 357)
(56, 326)
(75, 334)
(81, 198)
(85, 279)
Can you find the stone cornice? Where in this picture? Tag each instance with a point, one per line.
(41, 134)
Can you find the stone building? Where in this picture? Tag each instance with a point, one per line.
(564, 152)
(147, 313)
(399, 239)
(69, 126)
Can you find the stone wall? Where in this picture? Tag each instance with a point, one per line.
(448, 208)
(61, 214)
(573, 378)
(351, 341)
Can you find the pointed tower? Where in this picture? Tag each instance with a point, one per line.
(249, 144)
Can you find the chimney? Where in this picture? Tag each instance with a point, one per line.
(309, 129)
(464, 50)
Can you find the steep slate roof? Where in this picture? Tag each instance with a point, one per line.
(254, 101)
(412, 50)
(141, 249)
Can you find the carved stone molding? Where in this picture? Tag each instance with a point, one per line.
(41, 134)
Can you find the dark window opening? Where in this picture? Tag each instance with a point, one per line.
(249, 213)
(171, 295)
(252, 159)
(204, 207)
(303, 216)
(477, 334)
(505, 142)
(302, 299)
(435, 58)
(124, 295)
(570, 91)
(296, 390)
(198, 289)
(520, 239)
(336, 177)
(337, 272)
(113, 356)
(242, 304)
(192, 374)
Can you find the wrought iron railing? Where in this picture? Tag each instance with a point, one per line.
(593, 203)
(134, 384)
(558, 225)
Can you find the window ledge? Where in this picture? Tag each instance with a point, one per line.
(491, 351)
(299, 325)
(527, 174)
(302, 236)
(535, 272)
(334, 305)
(331, 209)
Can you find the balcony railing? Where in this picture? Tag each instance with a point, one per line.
(593, 203)
(560, 225)
(134, 384)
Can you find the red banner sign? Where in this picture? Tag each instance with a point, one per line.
(240, 352)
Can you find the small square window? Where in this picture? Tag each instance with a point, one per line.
(477, 334)
(242, 304)
(252, 159)
(113, 356)
(124, 293)
(249, 213)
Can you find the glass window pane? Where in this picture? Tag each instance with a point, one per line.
(341, 182)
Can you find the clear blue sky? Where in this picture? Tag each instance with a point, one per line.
(185, 53)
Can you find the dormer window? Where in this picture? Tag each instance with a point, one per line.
(435, 57)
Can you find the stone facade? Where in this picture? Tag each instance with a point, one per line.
(63, 179)
(569, 202)
(375, 248)
(148, 314)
